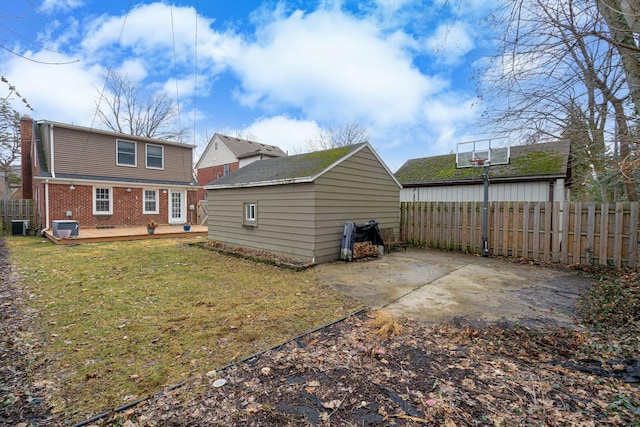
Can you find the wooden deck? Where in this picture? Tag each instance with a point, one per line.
(94, 235)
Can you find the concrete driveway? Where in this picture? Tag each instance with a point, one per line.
(443, 286)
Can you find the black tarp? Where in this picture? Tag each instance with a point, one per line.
(369, 232)
(352, 233)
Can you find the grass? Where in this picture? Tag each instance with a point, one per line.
(125, 319)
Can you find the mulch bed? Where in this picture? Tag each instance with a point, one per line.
(20, 401)
(348, 374)
(371, 370)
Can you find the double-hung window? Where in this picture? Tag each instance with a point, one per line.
(102, 201)
(125, 153)
(155, 156)
(151, 202)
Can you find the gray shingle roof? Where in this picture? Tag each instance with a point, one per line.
(281, 169)
(245, 148)
(535, 161)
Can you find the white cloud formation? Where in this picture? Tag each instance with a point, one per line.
(66, 5)
(332, 67)
(287, 133)
(135, 69)
(451, 42)
(64, 93)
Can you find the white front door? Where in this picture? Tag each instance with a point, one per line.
(177, 207)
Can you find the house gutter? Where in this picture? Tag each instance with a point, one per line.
(303, 180)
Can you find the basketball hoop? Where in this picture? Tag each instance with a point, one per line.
(478, 162)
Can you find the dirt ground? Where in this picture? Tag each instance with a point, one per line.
(437, 286)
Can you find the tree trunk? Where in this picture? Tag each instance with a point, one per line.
(620, 25)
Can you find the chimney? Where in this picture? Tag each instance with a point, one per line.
(26, 139)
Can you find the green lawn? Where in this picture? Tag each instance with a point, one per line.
(121, 320)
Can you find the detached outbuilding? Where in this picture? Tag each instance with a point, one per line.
(296, 206)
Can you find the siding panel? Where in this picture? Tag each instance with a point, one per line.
(284, 214)
(73, 148)
(357, 190)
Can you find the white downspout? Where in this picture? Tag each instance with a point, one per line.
(46, 207)
(53, 169)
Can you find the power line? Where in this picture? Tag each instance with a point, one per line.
(36, 61)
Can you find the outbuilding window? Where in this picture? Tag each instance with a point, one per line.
(250, 214)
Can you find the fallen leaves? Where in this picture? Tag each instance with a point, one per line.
(430, 375)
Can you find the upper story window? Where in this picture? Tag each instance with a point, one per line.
(155, 156)
(226, 169)
(125, 153)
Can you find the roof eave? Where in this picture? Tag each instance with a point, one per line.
(474, 180)
(303, 180)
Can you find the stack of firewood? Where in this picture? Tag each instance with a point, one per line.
(364, 250)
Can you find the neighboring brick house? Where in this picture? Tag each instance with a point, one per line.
(105, 179)
(225, 154)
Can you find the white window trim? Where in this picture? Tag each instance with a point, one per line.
(247, 219)
(144, 201)
(146, 156)
(95, 212)
(135, 154)
(249, 211)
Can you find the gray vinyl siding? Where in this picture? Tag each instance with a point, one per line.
(285, 217)
(306, 220)
(82, 153)
(357, 190)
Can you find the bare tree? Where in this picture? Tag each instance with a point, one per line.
(553, 63)
(623, 22)
(127, 108)
(339, 136)
(9, 144)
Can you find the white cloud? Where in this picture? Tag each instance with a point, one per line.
(66, 5)
(451, 42)
(64, 93)
(135, 69)
(289, 134)
(333, 68)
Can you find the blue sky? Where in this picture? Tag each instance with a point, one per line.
(277, 71)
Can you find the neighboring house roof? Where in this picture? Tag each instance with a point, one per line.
(291, 169)
(243, 148)
(528, 162)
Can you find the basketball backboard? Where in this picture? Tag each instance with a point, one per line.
(483, 149)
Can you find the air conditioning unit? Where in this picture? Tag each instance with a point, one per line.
(65, 224)
(20, 227)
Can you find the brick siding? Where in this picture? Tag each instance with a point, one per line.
(127, 206)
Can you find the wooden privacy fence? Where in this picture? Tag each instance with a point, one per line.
(569, 233)
(19, 209)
